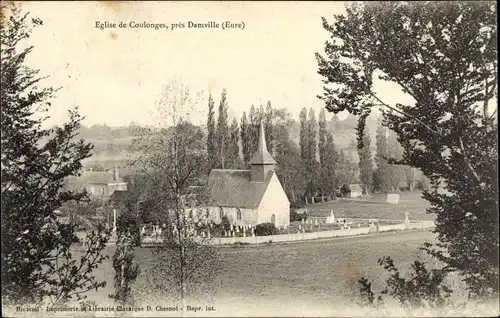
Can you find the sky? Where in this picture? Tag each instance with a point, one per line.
(116, 75)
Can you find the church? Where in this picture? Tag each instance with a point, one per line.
(249, 197)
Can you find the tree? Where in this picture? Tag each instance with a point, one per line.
(366, 162)
(304, 150)
(37, 264)
(245, 139)
(383, 173)
(287, 154)
(324, 181)
(330, 165)
(233, 150)
(443, 55)
(211, 136)
(222, 131)
(268, 126)
(254, 130)
(126, 271)
(172, 156)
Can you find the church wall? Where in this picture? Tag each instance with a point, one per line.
(248, 216)
(275, 202)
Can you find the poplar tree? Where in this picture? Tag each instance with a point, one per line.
(211, 136)
(268, 126)
(366, 162)
(254, 130)
(245, 139)
(222, 132)
(311, 169)
(233, 150)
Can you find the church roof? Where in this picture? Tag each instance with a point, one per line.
(262, 156)
(233, 188)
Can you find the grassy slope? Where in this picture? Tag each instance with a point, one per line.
(376, 208)
(315, 273)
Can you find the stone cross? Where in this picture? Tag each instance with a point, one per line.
(231, 227)
(238, 229)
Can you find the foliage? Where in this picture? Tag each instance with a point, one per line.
(264, 229)
(245, 139)
(172, 158)
(424, 289)
(37, 262)
(222, 133)
(366, 163)
(128, 224)
(233, 160)
(211, 137)
(225, 224)
(345, 190)
(126, 270)
(295, 216)
(443, 55)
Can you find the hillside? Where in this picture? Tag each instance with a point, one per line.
(113, 146)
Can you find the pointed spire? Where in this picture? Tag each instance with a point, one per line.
(262, 156)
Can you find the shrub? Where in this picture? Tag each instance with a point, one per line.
(265, 229)
(129, 223)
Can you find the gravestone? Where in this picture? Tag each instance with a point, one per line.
(407, 220)
(316, 222)
(330, 219)
(303, 221)
(244, 234)
(208, 234)
(393, 198)
(300, 227)
(303, 230)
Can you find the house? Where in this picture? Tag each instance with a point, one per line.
(355, 191)
(99, 184)
(249, 197)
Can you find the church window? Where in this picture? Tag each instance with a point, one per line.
(238, 214)
(221, 213)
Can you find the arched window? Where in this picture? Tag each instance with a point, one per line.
(238, 214)
(221, 213)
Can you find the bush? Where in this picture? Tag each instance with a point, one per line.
(265, 229)
(129, 223)
(295, 216)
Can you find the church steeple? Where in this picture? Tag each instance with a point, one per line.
(262, 162)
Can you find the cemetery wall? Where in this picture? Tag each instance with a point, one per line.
(311, 236)
(316, 235)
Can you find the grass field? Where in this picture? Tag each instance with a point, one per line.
(307, 275)
(376, 208)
